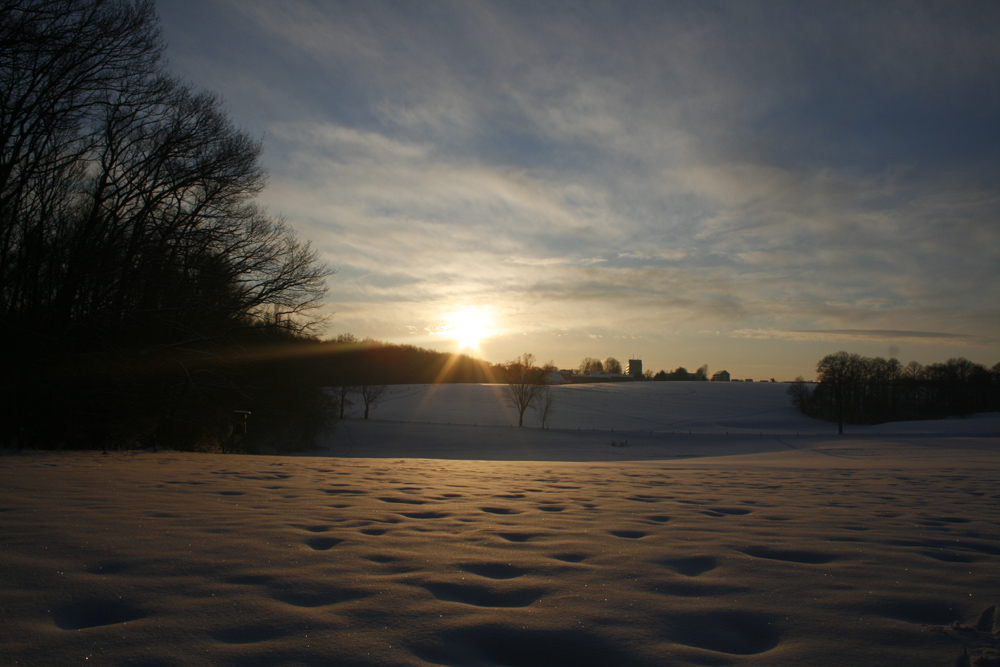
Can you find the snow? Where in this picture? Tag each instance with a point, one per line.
(731, 530)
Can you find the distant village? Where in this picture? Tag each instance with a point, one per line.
(633, 372)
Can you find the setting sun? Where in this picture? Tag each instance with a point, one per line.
(468, 326)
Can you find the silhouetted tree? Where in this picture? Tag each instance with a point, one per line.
(590, 365)
(135, 268)
(799, 394)
(342, 394)
(838, 375)
(370, 395)
(702, 373)
(525, 383)
(545, 404)
(612, 365)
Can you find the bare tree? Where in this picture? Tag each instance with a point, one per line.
(370, 395)
(590, 365)
(131, 249)
(612, 365)
(799, 394)
(525, 384)
(60, 62)
(912, 370)
(342, 395)
(545, 404)
(839, 373)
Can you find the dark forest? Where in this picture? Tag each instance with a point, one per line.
(139, 280)
(869, 390)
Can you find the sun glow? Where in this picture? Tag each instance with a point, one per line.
(468, 327)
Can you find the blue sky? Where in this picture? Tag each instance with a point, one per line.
(745, 185)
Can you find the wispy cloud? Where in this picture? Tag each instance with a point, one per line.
(785, 169)
(854, 335)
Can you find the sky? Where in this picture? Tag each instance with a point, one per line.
(747, 185)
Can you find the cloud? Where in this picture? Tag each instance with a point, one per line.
(770, 170)
(854, 334)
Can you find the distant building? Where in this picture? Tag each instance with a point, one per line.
(634, 368)
(720, 376)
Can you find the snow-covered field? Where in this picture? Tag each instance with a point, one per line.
(700, 407)
(657, 420)
(730, 531)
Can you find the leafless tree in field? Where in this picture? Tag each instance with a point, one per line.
(370, 395)
(545, 404)
(525, 383)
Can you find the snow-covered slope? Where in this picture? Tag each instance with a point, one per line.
(660, 407)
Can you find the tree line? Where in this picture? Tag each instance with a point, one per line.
(594, 365)
(348, 360)
(612, 366)
(681, 374)
(862, 390)
(144, 295)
